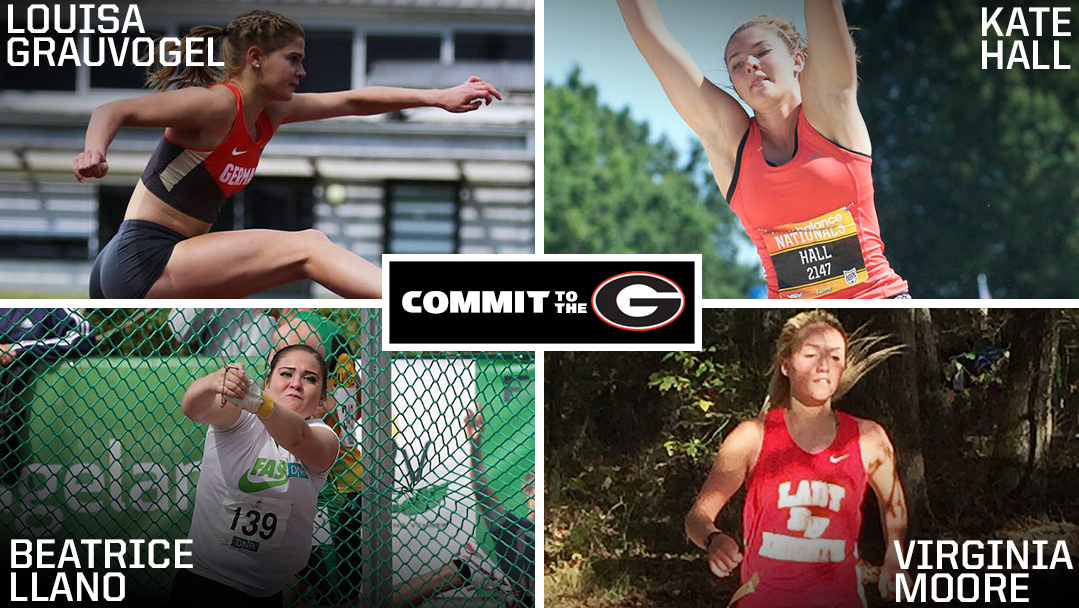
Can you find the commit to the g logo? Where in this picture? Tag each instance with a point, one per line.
(638, 301)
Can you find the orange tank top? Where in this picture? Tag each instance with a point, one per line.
(812, 219)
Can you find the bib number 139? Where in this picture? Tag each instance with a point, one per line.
(253, 522)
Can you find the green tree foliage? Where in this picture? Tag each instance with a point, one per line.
(631, 436)
(609, 189)
(974, 169)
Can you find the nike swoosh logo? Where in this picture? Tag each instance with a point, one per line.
(246, 485)
(236, 152)
(814, 157)
(835, 460)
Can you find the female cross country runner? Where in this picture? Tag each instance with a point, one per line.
(263, 464)
(806, 467)
(797, 174)
(216, 126)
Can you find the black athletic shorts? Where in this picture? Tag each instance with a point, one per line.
(133, 260)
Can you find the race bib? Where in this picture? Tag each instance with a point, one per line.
(253, 523)
(816, 257)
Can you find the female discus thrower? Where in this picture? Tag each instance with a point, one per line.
(265, 459)
(806, 467)
(216, 126)
(797, 174)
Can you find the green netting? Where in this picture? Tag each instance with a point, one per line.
(96, 446)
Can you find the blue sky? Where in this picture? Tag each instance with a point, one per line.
(591, 34)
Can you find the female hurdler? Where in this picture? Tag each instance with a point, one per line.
(216, 125)
(806, 467)
(797, 174)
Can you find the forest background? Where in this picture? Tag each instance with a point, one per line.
(982, 407)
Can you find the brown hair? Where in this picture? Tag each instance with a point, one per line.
(267, 30)
(863, 354)
(303, 348)
(796, 43)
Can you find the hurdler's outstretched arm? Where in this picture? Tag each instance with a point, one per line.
(465, 97)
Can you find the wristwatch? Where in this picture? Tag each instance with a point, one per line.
(708, 539)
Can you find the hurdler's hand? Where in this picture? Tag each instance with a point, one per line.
(468, 96)
(90, 163)
(723, 555)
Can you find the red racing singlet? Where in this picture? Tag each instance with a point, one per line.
(802, 518)
(812, 219)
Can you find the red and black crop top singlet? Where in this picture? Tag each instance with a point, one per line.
(197, 182)
(812, 219)
(801, 520)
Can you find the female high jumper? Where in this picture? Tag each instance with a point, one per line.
(216, 126)
(797, 174)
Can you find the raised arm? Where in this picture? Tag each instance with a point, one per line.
(202, 401)
(190, 108)
(879, 458)
(713, 115)
(488, 501)
(829, 81)
(315, 447)
(735, 459)
(465, 97)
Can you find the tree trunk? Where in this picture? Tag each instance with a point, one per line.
(942, 431)
(907, 436)
(1024, 424)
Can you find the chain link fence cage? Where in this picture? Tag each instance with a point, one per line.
(417, 510)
